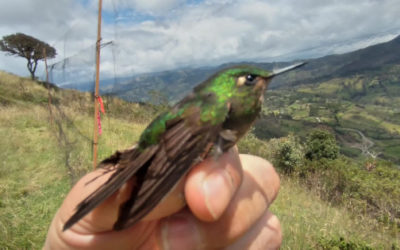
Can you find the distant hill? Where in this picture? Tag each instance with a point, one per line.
(176, 83)
(372, 58)
(356, 95)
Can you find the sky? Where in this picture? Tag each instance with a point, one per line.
(156, 35)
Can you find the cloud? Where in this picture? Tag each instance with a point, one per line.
(156, 35)
(64, 24)
(155, 5)
(215, 32)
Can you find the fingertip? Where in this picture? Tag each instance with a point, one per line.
(266, 233)
(194, 193)
(179, 231)
(273, 229)
(83, 188)
(275, 225)
(263, 173)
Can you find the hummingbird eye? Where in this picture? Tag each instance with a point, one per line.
(250, 79)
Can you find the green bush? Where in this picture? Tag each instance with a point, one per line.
(289, 154)
(321, 144)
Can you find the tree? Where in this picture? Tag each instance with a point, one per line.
(27, 47)
(321, 144)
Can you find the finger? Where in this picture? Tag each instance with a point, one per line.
(94, 230)
(94, 221)
(211, 185)
(103, 217)
(265, 234)
(264, 174)
(259, 188)
(225, 176)
(125, 239)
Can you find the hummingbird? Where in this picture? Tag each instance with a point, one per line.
(207, 122)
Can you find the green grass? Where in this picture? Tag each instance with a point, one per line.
(38, 166)
(306, 219)
(343, 204)
(33, 179)
(393, 151)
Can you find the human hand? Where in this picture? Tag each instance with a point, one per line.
(226, 208)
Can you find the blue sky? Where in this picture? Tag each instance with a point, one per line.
(156, 35)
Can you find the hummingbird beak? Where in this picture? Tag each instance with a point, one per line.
(286, 69)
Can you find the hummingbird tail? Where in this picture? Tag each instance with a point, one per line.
(117, 179)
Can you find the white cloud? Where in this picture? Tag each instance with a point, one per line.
(213, 33)
(64, 24)
(156, 5)
(157, 35)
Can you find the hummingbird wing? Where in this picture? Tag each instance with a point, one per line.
(183, 145)
(156, 169)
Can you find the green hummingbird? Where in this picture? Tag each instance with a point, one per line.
(208, 121)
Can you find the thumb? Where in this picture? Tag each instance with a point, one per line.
(211, 185)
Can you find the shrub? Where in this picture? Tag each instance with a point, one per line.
(321, 144)
(289, 154)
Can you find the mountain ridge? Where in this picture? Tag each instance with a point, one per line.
(372, 58)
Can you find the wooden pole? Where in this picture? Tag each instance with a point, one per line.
(48, 85)
(96, 92)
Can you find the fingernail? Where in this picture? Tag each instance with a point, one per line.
(178, 232)
(218, 189)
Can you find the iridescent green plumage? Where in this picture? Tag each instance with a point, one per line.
(223, 85)
(211, 119)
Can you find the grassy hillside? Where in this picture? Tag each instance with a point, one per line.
(362, 110)
(43, 156)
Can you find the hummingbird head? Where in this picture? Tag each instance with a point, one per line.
(247, 80)
(241, 87)
(258, 78)
(252, 81)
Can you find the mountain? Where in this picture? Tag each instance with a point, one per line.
(355, 95)
(176, 83)
(373, 58)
